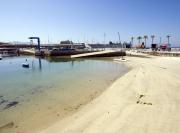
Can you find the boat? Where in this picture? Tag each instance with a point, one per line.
(120, 59)
(25, 65)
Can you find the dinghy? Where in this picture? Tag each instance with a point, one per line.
(26, 65)
(120, 60)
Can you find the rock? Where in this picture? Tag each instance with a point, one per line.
(3, 101)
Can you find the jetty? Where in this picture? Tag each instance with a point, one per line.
(105, 53)
(6, 52)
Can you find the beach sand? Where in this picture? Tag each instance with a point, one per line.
(145, 100)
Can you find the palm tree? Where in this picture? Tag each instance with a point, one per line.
(168, 36)
(132, 39)
(152, 37)
(139, 39)
(145, 38)
(160, 40)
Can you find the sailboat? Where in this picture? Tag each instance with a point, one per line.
(120, 59)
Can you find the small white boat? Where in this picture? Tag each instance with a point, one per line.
(25, 65)
(120, 60)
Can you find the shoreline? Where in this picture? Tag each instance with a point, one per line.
(145, 99)
(70, 111)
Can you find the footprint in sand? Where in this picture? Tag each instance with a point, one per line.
(141, 102)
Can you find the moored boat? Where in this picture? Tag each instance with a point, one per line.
(120, 60)
(25, 65)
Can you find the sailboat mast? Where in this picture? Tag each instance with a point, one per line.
(119, 39)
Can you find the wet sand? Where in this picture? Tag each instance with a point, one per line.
(145, 100)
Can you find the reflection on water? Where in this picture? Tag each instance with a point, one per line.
(53, 60)
(50, 85)
(40, 66)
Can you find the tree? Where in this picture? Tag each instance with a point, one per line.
(145, 38)
(110, 43)
(152, 37)
(139, 39)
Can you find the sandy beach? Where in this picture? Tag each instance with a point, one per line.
(145, 100)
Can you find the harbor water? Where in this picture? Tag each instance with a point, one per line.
(50, 89)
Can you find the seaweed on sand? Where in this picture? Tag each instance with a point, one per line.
(11, 104)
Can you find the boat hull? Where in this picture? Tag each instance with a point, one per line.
(25, 65)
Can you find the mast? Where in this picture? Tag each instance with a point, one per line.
(104, 38)
(119, 39)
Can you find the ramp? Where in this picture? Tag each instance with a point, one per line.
(27, 51)
(99, 54)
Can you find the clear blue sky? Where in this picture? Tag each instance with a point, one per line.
(89, 19)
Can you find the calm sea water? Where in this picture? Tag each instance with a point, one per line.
(49, 86)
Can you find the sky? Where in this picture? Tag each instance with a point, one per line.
(89, 20)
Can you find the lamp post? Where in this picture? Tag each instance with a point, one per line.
(168, 37)
(132, 40)
(119, 39)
